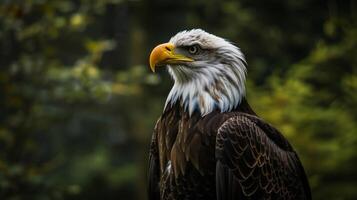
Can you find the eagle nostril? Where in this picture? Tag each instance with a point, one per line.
(167, 48)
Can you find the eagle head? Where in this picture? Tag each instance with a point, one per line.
(208, 71)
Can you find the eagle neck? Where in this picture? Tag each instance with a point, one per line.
(204, 96)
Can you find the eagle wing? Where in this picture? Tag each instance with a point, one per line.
(254, 161)
(154, 169)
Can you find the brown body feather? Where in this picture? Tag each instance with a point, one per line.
(231, 155)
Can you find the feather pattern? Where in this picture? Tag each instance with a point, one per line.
(234, 154)
(259, 160)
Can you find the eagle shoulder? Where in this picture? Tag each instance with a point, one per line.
(154, 168)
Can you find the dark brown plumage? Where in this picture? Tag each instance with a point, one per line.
(230, 155)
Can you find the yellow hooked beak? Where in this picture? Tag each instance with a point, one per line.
(164, 54)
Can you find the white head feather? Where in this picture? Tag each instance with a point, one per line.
(216, 79)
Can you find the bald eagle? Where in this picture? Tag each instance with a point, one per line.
(208, 143)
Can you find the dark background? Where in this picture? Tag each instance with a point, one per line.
(78, 102)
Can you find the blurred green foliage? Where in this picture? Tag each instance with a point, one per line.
(78, 103)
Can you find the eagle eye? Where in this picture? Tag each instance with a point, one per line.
(193, 49)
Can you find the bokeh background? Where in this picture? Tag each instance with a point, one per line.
(78, 103)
